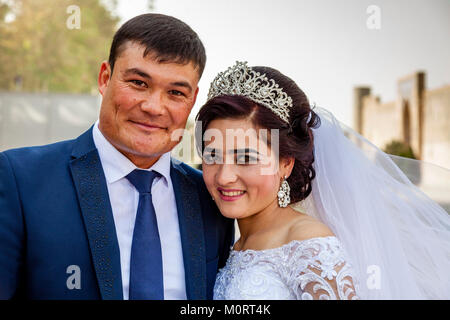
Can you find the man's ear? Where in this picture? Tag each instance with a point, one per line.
(195, 97)
(103, 77)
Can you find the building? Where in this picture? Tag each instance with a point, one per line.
(420, 118)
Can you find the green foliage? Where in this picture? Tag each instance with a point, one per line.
(39, 48)
(399, 148)
(4, 9)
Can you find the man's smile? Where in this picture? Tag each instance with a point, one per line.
(149, 127)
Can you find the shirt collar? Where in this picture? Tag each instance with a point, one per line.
(116, 166)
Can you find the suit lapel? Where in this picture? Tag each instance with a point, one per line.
(191, 231)
(90, 183)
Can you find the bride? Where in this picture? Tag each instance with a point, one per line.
(322, 213)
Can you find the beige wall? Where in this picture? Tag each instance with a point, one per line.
(436, 133)
(419, 117)
(378, 119)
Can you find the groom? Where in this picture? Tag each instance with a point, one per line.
(110, 215)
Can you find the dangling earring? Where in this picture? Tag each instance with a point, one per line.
(283, 194)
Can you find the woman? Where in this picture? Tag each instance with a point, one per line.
(336, 219)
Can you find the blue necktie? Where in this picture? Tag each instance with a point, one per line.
(146, 270)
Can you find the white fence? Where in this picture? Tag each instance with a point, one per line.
(30, 119)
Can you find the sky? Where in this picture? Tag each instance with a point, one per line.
(327, 46)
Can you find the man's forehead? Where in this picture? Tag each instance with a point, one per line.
(137, 50)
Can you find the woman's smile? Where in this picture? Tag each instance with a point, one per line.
(230, 194)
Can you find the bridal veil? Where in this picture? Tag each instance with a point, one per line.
(397, 238)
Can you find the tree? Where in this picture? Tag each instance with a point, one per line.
(40, 49)
(4, 9)
(399, 148)
(151, 5)
(412, 169)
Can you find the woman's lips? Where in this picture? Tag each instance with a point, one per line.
(230, 194)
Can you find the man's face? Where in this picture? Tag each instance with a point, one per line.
(144, 103)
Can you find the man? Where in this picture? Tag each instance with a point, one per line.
(110, 215)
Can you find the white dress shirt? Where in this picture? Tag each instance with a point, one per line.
(124, 202)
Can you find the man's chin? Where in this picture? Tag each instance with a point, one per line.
(142, 147)
(143, 159)
(149, 153)
(146, 141)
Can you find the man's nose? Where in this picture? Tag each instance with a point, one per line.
(153, 103)
(226, 174)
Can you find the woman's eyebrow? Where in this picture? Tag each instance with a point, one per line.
(233, 151)
(245, 150)
(209, 149)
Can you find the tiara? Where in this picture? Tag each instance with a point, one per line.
(241, 80)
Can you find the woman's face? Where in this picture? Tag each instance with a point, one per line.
(240, 171)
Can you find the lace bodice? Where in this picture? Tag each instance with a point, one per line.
(315, 268)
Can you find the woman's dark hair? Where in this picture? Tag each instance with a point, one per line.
(295, 140)
(168, 38)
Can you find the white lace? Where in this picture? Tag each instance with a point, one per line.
(299, 270)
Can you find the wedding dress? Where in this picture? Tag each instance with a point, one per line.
(394, 241)
(315, 268)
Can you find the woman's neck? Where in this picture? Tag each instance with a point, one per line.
(260, 222)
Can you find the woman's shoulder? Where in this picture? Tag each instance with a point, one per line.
(307, 227)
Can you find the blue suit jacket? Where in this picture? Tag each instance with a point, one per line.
(55, 213)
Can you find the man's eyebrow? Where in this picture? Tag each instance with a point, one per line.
(138, 72)
(182, 84)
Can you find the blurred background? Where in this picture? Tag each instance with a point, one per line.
(382, 67)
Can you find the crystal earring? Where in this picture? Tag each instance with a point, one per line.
(283, 194)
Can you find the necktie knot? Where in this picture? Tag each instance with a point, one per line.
(142, 180)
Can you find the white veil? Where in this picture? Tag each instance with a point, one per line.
(397, 238)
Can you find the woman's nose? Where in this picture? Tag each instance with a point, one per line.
(226, 174)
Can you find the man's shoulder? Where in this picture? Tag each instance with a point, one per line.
(192, 174)
(46, 152)
(42, 149)
(56, 150)
(187, 170)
